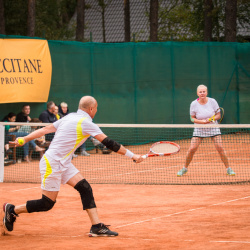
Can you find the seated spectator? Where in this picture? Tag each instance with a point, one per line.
(7, 149)
(24, 115)
(99, 145)
(83, 151)
(63, 109)
(41, 142)
(47, 116)
(58, 116)
(13, 130)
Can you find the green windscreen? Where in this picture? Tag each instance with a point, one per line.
(148, 83)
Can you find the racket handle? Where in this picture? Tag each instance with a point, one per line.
(144, 157)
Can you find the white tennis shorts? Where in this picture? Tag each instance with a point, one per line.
(54, 173)
(206, 132)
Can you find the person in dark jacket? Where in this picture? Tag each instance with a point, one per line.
(63, 109)
(24, 115)
(48, 116)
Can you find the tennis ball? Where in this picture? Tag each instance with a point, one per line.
(20, 141)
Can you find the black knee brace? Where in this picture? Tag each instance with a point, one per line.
(86, 194)
(42, 205)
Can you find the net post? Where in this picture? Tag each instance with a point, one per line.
(1, 152)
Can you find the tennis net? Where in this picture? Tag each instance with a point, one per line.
(103, 166)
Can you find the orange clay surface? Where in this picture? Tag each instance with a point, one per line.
(145, 216)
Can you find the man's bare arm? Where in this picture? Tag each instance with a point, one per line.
(35, 134)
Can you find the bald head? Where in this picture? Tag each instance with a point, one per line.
(86, 102)
(89, 105)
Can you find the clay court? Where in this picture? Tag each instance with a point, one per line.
(147, 204)
(145, 216)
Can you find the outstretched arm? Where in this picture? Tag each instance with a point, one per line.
(116, 147)
(36, 134)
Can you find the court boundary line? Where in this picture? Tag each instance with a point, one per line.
(223, 241)
(17, 190)
(181, 212)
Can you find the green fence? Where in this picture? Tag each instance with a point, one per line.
(148, 82)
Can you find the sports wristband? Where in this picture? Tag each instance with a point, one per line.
(129, 154)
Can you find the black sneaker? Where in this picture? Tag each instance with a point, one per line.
(9, 216)
(101, 230)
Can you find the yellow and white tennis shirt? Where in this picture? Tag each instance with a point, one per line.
(72, 131)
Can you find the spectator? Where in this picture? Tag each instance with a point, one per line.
(47, 116)
(7, 149)
(63, 109)
(58, 116)
(41, 142)
(83, 151)
(13, 130)
(24, 115)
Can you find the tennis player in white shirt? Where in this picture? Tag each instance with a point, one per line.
(56, 167)
(201, 110)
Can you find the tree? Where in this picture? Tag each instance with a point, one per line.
(181, 20)
(230, 22)
(53, 17)
(153, 16)
(208, 21)
(165, 19)
(80, 20)
(31, 18)
(15, 17)
(103, 6)
(2, 19)
(127, 20)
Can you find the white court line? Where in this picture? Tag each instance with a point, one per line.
(181, 212)
(229, 201)
(230, 241)
(24, 189)
(50, 236)
(224, 241)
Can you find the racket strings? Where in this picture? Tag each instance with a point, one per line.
(164, 148)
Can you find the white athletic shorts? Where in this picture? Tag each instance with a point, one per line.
(54, 173)
(206, 132)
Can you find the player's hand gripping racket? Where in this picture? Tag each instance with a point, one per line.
(221, 110)
(162, 148)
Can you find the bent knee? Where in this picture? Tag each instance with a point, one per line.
(42, 205)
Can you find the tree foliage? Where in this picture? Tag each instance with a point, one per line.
(52, 18)
(184, 19)
(178, 20)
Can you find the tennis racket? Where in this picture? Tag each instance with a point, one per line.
(162, 148)
(221, 110)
